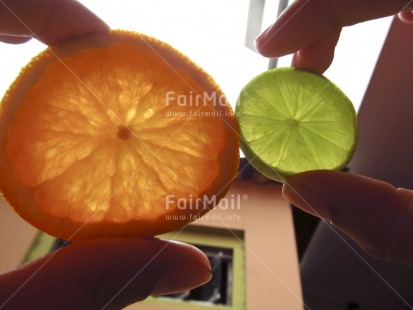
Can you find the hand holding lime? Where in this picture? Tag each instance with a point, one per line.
(293, 121)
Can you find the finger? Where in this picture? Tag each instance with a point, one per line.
(375, 214)
(307, 21)
(317, 56)
(105, 273)
(50, 21)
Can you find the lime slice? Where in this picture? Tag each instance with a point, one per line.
(293, 121)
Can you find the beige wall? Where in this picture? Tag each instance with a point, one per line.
(15, 237)
(272, 272)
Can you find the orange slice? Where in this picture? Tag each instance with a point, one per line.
(115, 134)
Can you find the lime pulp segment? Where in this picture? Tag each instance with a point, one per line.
(293, 121)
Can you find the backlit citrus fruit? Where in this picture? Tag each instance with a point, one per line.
(112, 135)
(293, 121)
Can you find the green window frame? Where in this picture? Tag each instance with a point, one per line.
(41, 245)
(218, 238)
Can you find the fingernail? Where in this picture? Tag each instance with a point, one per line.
(406, 16)
(260, 39)
(306, 199)
(181, 279)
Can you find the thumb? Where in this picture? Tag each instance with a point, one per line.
(104, 274)
(375, 214)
